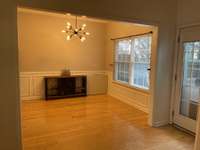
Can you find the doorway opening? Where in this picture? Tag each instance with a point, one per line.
(118, 59)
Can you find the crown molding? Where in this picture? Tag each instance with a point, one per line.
(61, 15)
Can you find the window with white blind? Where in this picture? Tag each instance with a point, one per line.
(132, 61)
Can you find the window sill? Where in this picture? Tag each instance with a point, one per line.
(147, 91)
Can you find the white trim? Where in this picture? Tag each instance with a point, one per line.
(172, 100)
(35, 78)
(132, 62)
(31, 98)
(128, 100)
(61, 15)
(136, 98)
(131, 87)
(160, 123)
(32, 86)
(175, 103)
(180, 27)
(51, 73)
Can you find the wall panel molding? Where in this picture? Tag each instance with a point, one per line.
(32, 83)
(99, 82)
(133, 97)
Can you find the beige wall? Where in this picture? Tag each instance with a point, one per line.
(9, 101)
(42, 46)
(188, 12)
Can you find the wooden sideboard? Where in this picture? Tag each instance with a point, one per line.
(57, 87)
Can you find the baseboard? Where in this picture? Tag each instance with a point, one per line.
(183, 129)
(160, 123)
(32, 98)
(129, 101)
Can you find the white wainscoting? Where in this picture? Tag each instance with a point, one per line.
(134, 97)
(32, 83)
(99, 82)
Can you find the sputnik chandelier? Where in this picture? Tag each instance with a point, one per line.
(75, 31)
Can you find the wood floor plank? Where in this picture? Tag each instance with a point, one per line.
(94, 123)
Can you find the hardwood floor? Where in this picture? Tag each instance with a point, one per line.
(94, 123)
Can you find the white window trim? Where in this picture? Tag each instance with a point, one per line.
(125, 84)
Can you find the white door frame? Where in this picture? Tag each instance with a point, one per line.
(175, 67)
(185, 122)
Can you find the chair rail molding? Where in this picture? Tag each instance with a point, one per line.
(32, 83)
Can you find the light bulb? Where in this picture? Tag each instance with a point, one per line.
(69, 24)
(63, 31)
(82, 28)
(83, 39)
(87, 33)
(84, 16)
(68, 38)
(68, 14)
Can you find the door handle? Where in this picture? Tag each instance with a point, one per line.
(148, 69)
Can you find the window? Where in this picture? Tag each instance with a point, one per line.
(132, 61)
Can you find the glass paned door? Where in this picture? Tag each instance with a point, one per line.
(190, 90)
(187, 93)
(188, 85)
